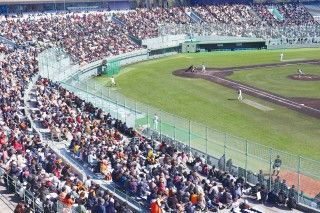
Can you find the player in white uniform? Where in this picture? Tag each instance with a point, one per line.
(240, 95)
(300, 72)
(155, 121)
(113, 82)
(203, 68)
(281, 57)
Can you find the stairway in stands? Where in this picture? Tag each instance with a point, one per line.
(8, 200)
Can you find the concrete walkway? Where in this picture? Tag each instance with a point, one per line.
(8, 200)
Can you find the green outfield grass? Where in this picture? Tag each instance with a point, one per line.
(276, 80)
(201, 101)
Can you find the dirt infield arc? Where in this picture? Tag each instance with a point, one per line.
(304, 77)
(307, 106)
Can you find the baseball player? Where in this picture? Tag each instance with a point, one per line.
(300, 72)
(113, 82)
(240, 95)
(276, 165)
(203, 68)
(193, 69)
(155, 121)
(281, 57)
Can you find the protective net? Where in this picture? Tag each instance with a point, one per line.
(112, 68)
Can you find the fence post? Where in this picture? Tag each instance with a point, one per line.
(125, 114)
(23, 195)
(207, 144)
(299, 169)
(117, 107)
(33, 203)
(246, 165)
(7, 179)
(270, 168)
(160, 126)
(135, 113)
(148, 124)
(15, 186)
(174, 133)
(224, 151)
(189, 136)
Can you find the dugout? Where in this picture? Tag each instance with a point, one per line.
(223, 44)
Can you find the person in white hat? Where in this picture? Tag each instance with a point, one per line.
(113, 82)
(155, 121)
(240, 95)
(203, 68)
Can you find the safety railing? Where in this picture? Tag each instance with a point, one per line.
(19, 189)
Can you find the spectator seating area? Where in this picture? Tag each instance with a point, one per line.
(143, 23)
(244, 20)
(29, 166)
(155, 173)
(91, 36)
(86, 37)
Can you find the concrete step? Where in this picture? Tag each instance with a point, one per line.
(8, 200)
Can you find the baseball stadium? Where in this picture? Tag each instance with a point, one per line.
(120, 106)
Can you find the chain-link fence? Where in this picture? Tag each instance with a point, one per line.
(56, 64)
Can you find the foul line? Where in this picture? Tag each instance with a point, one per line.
(265, 94)
(257, 105)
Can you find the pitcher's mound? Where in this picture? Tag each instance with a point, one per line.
(304, 77)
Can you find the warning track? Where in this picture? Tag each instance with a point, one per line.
(219, 76)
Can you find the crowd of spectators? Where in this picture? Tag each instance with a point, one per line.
(254, 20)
(33, 167)
(232, 20)
(292, 14)
(143, 23)
(91, 36)
(86, 37)
(264, 14)
(156, 173)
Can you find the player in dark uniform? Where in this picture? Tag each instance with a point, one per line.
(190, 69)
(276, 165)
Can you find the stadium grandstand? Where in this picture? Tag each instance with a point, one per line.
(61, 150)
